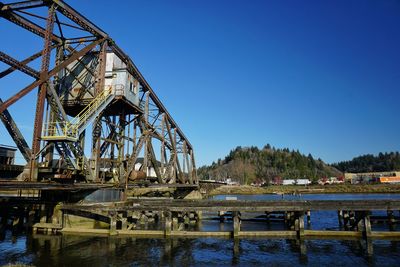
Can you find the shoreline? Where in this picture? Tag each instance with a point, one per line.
(312, 189)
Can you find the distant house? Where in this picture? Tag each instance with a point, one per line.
(390, 180)
(368, 177)
(230, 182)
(277, 180)
(331, 180)
(296, 182)
(150, 171)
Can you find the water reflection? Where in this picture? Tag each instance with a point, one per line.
(73, 250)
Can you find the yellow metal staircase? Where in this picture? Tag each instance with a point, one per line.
(70, 130)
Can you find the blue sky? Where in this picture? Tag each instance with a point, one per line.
(319, 76)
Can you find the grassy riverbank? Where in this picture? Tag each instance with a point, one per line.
(313, 189)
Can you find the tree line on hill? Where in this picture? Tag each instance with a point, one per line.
(251, 164)
(383, 162)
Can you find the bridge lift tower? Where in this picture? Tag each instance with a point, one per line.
(89, 89)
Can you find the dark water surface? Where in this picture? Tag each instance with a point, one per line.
(73, 250)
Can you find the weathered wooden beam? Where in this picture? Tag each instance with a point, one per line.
(182, 205)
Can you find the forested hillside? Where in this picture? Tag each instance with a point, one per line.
(249, 164)
(370, 163)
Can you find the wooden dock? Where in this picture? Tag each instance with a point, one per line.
(353, 215)
(242, 205)
(164, 217)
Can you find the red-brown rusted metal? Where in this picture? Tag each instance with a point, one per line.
(115, 130)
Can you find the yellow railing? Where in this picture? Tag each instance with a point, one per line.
(70, 130)
(86, 113)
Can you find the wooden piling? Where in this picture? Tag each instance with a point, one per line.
(168, 223)
(221, 215)
(345, 219)
(352, 220)
(236, 224)
(340, 217)
(391, 220)
(367, 227)
(303, 248)
(124, 223)
(186, 219)
(113, 224)
(299, 224)
(174, 222)
(267, 216)
(236, 247)
(300, 231)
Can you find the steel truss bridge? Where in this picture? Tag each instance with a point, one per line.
(89, 89)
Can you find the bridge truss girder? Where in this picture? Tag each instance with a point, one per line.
(120, 138)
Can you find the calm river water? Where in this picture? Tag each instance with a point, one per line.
(73, 250)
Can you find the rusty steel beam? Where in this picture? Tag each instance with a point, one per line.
(38, 124)
(54, 71)
(15, 64)
(29, 25)
(21, 5)
(75, 16)
(23, 62)
(15, 134)
(170, 135)
(79, 19)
